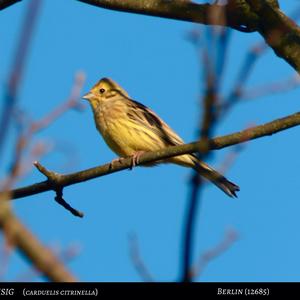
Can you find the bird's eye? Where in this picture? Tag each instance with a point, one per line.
(102, 91)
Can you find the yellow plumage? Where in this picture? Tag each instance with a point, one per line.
(128, 127)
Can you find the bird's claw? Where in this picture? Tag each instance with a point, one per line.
(136, 159)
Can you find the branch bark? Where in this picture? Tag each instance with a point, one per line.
(200, 146)
(279, 31)
(237, 13)
(7, 3)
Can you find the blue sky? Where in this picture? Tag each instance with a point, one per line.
(152, 59)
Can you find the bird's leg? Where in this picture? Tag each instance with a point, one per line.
(115, 160)
(136, 158)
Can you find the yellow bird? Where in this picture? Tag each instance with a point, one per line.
(130, 128)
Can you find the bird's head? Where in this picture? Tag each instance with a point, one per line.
(104, 90)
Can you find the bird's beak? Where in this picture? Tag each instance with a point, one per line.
(88, 96)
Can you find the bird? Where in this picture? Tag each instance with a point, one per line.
(130, 129)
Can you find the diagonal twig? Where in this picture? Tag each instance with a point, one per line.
(230, 237)
(137, 260)
(272, 88)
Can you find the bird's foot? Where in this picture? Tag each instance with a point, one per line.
(136, 159)
(114, 161)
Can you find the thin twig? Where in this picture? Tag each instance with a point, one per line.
(230, 237)
(230, 158)
(272, 88)
(53, 179)
(71, 103)
(244, 73)
(60, 200)
(137, 261)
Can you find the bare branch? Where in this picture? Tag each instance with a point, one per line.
(7, 3)
(214, 144)
(280, 32)
(237, 13)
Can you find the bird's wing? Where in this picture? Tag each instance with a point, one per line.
(148, 119)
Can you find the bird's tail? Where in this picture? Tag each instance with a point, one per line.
(209, 173)
(215, 177)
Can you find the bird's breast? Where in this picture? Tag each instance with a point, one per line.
(111, 123)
